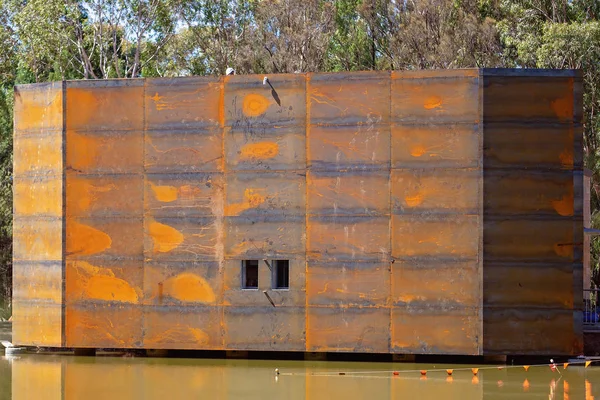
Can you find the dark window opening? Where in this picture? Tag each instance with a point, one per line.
(281, 272)
(250, 274)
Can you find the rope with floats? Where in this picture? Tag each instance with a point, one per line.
(474, 370)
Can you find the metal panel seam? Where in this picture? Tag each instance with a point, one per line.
(63, 319)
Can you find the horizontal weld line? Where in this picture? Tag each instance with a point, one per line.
(192, 129)
(39, 133)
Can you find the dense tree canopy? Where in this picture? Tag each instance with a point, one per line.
(98, 39)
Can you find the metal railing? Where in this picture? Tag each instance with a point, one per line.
(590, 306)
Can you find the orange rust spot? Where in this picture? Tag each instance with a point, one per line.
(85, 240)
(563, 107)
(565, 206)
(189, 287)
(260, 150)
(254, 105)
(413, 201)
(160, 104)
(417, 150)
(178, 334)
(563, 249)
(432, 102)
(252, 199)
(566, 157)
(110, 288)
(92, 282)
(164, 194)
(165, 237)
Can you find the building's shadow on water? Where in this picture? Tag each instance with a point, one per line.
(68, 377)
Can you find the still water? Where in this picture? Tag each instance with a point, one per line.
(90, 378)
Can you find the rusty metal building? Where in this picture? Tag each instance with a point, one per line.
(387, 212)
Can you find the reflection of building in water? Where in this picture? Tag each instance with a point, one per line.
(69, 378)
(404, 212)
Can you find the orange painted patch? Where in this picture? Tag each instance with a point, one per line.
(417, 150)
(85, 240)
(260, 150)
(110, 288)
(88, 281)
(165, 237)
(413, 201)
(189, 287)
(255, 105)
(563, 249)
(252, 199)
(563, 107)
(432, 102)
(565, 206)
(164, 194)
(566, 158)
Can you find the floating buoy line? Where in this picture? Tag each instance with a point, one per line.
(554, 367)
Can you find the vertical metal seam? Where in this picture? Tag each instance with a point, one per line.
(480, 261)
(223, 258)
(576, 128)
(306, 209)
(144, 183)
(391, 242)
(63, 322)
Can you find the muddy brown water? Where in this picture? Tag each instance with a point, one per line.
(69, 377)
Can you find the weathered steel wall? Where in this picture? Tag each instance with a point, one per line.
(38, 215)
(372, 184)
(533, 212)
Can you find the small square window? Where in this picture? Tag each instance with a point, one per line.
(250, 274)
(281, 274)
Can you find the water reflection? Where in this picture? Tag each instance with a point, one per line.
(67, 377)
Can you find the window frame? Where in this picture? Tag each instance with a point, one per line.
(244, 275)
(275, 275)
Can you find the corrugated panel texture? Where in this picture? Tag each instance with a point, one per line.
(533, 212)
(38, 215)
